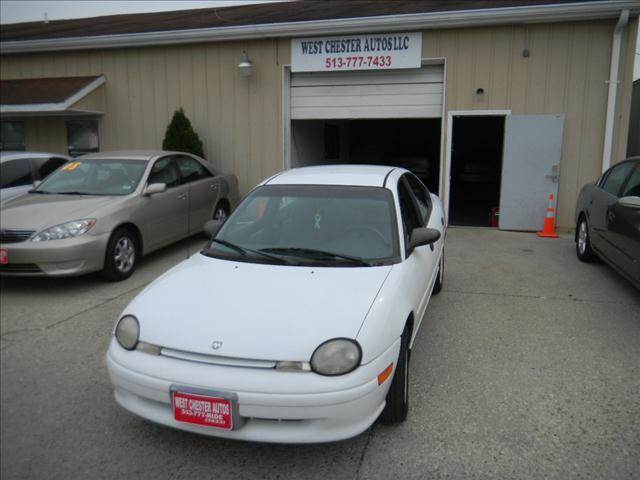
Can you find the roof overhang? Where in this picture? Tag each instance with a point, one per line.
(86, 100)
(418, 21)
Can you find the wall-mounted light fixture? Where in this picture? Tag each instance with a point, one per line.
(480, 91)
(245, 67)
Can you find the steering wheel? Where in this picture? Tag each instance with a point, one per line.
(364, 228)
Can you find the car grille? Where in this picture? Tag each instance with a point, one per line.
(20, 268)
(15, 236)
(217, 359)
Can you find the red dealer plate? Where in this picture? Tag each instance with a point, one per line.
(4, 256)
(203, 410)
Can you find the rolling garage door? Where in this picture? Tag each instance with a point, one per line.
(415, 93)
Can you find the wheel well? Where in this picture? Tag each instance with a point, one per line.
(136, 233)
(409, 325)
(225, 203)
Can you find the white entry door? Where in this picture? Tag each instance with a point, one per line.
(530, 169)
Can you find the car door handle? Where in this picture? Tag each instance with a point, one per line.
(214, 185)
(182, 196)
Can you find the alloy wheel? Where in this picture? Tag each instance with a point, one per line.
(124, 254)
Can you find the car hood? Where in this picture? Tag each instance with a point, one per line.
(35, 212)
(257, 311)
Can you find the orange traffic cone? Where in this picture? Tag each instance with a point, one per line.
(549, 228)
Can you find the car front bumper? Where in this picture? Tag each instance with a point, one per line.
(70, 256)
(274, 406)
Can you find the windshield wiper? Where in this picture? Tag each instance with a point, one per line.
(41, 192)
(244, 251)
(311, 252)
(72, 193)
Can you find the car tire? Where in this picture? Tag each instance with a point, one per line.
(584, 251)
(221, 212)
(437, 286)
(397, 407)
(121, 257)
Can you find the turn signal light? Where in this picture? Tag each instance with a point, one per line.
(385, 374)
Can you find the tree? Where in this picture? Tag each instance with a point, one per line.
(181, 137)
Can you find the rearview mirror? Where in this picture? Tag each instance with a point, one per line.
(630, 201)
(212, 227)
(155, 188)
(423, 236)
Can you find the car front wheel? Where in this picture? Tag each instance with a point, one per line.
(121, 257)
(583, 241)
(397, 407)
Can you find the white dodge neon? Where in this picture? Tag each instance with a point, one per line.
(296, 321)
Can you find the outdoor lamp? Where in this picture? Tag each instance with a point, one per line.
(245, 67)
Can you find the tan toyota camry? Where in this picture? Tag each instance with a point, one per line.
(103, 211)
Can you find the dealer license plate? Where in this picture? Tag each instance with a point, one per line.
(205, 410)
(4, 256)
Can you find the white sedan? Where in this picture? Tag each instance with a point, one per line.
(296, 321)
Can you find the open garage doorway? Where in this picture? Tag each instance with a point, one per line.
(476, 170)
(409, 143)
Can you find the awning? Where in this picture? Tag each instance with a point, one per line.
(67, 96)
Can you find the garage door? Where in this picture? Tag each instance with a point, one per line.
(415, 93)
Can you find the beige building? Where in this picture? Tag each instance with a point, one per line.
(494, 104)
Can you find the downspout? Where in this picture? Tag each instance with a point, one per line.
(613, 88)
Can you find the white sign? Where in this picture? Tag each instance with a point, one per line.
(376, 51)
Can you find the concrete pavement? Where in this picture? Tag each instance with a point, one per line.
(527, 365)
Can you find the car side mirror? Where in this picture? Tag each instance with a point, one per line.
(423, 236)
(630, 202)
(154, 188)
(212, 227)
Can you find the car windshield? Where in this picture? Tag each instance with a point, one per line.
(311, 225)
(94, 177)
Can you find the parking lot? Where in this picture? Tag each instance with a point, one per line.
(527, 365)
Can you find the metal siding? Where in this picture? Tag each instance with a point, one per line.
(240, 119)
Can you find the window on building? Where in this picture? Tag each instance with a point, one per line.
(82, 137)
(12, 136)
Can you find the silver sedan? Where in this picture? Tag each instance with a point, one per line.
(103, 211)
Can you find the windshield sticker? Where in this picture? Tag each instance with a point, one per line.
(71, 166)
(318, 219)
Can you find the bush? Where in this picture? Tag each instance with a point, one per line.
(181, 137)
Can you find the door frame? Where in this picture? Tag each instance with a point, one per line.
(286, 108)
(445, 173)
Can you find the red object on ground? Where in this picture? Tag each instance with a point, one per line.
(494, 217)
(549, 228)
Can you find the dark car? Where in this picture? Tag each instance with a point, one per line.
(608, 219)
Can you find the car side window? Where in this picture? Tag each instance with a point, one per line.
(44, 166)
(422, 197)
(410, 218)
(191, 170)
(15, 173)
(614, 181)
(165, 171)
(632, 188)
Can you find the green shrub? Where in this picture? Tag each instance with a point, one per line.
(181, 137)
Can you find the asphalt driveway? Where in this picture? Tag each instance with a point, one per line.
(527, 366)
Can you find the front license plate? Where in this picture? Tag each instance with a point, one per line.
(4, 256)
(203, 410)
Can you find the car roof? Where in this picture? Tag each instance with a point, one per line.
(354, 175)
(7, 155)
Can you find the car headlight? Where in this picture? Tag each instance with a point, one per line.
(65, 230)
(127, 332)
(336, 357)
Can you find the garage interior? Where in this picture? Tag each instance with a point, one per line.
(391, 117)
(476, 170)
(413, 144)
